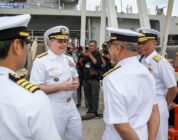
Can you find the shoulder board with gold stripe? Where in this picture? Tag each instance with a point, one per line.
(42, 54)
(111, 70)
(157, 58)
(23, 83)
(68, 54)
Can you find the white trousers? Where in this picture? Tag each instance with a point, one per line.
(164, 115)
(67, 120)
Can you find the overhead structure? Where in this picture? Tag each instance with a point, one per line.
(143, 13)
(103, 23)
(111, 13)
(112, 16)
(164, 39)
(83, 23)
(108, 10)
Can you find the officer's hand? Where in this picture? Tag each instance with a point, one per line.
(75, 85)
(172, 105)
(70, 85)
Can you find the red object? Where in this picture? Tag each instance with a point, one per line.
(176, 69)
(173, 132)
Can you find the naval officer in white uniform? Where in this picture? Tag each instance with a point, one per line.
(129, 90)
(163, 72)
(25, 112)
(56, 75)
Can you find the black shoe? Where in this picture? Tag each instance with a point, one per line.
(92, 115)
(78, 105)
(87, 117)
(89, 111)
(98, 116)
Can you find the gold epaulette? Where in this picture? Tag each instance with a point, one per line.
(157, 58)
(23, 83)
(68, 54)
(111, 70)
(42, 54)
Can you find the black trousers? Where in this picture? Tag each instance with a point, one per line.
(79, 92)
(171, 113)
(91, 91)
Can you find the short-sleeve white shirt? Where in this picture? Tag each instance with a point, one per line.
(163, 73)
(24, 115)
(52, 69)
(128, 98)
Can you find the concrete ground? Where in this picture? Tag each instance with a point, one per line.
(93, 129)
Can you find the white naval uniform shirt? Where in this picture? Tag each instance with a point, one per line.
(163, 73)
(165, 78)
(24, 115)
(128, 98)
(52, 69)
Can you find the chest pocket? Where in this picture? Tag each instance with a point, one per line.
(54, 72)
(54, 76)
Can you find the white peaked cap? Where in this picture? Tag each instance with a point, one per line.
(8, 22)
(14, 27)
(123, 35)
(57, 32)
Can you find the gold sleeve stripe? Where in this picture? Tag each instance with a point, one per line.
(24, 83)
(33, 88)
(29, 86)
(20, 81)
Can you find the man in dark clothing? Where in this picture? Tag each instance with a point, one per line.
(105, 57)
(92, 66)
(80, 65)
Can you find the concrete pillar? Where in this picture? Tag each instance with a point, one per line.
(89, 28)
(103, 23)
(143, 13)
(164, 39)
(83, 23)
(111, 13)
(59, 5)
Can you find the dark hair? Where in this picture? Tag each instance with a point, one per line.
(86, 48)
(80, 48)
(105, 45)
(68, 48)
(5, 46)
(93, 41)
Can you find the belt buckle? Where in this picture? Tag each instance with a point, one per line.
(68, 99)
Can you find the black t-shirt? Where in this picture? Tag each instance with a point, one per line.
(90, 70)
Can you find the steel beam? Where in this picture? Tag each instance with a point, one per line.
(143, 13)
(164, 39)
(83, 23)
(111, 13)
(103, 24)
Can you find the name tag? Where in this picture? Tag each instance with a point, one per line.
(87, 65)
